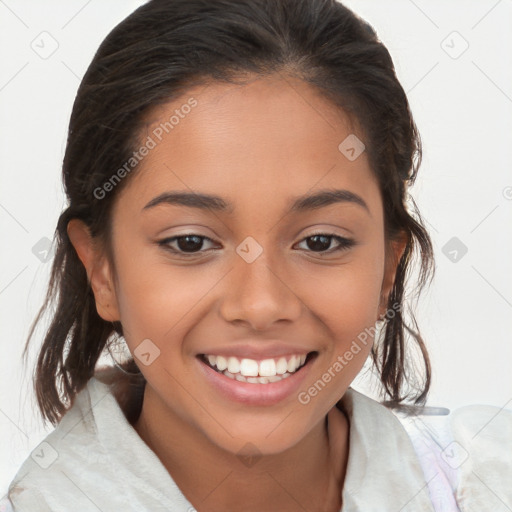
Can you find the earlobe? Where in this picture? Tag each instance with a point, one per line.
(393, 256)
(97, 268)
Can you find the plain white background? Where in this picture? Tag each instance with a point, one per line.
(453, 60)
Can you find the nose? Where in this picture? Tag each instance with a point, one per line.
(259, 294)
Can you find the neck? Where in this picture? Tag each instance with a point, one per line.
(308, 476)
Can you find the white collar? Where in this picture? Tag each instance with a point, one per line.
(383, 470)
(383, 473)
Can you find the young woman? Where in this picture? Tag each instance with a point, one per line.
(237, 175)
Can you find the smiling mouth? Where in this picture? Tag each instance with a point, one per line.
(254, 371)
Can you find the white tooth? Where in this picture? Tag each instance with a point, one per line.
(249, 367)
(302, 359)
(212, 360)
(297, 362)
(222, 364)
(281, 366)
(227, 374)
(292, 364)
(258, 380)
(241, 378)
(285, 375)
(267, 368)
(233, 365)
(275, 378)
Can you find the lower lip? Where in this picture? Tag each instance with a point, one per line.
(255, 394)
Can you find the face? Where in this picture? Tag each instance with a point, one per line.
(270, 288)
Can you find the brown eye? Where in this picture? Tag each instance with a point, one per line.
(321, 242)
(185, 244)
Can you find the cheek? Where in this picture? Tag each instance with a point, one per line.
(346, 298)
(346, 302)
(160, 301)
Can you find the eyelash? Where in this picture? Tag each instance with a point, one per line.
(344, 243)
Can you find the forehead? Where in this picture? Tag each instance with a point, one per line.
(270, 139)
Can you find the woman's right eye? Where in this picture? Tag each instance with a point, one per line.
(186, 244)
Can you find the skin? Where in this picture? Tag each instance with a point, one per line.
(256, 145)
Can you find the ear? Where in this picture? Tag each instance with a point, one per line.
(98, 269)
(394, 252)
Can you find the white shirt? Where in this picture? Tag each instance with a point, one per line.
(95, 460)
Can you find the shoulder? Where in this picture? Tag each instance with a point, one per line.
(84, 464)
(466, 453)
(54, 468)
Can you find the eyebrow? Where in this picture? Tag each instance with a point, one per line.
(309, 202)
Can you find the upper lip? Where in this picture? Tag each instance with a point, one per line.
(257, 350)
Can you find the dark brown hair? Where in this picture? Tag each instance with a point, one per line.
(152, 57)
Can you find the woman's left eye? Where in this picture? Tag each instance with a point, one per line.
(190, 244)
(320, 240)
